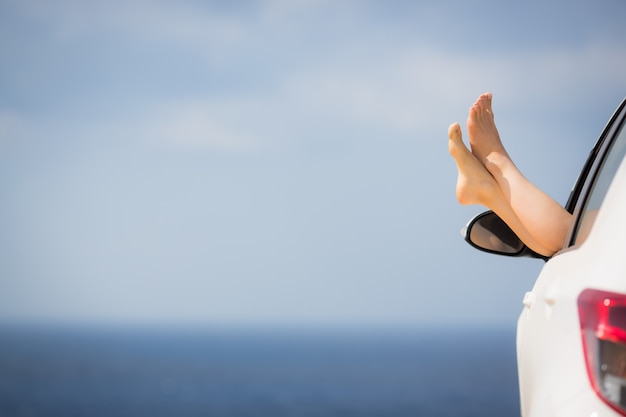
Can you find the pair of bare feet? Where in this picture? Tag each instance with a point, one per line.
(488, 176)
(475, 184)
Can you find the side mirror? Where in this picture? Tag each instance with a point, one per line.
(489, 233)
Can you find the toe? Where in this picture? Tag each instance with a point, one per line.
(454, 132)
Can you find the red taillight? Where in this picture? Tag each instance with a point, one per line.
(603, 327)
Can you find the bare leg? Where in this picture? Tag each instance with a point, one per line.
(543, 217)
(475, 185)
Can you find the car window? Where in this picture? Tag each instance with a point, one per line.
(600, 186)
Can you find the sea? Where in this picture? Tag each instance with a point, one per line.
(135, 371)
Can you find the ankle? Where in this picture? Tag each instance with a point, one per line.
(498, 162)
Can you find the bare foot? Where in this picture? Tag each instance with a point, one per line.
(483, 134)
(475, 185)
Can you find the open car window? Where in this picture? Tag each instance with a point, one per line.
(600, 186)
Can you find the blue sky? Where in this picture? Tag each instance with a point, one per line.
(279, 162)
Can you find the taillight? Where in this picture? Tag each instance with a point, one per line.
(603, 326)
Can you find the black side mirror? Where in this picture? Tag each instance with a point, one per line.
(489, 233)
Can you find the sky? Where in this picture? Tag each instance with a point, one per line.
(280, 162)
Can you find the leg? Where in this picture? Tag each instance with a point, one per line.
(475, 185)
(543, 217)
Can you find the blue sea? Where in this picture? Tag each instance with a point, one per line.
(150, 372)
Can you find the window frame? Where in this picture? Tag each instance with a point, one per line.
(590, 172)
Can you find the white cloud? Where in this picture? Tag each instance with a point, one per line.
(408, 92)
(405, 87)
(187, 125)
(417, 88)
(194, 125)
(143, 19)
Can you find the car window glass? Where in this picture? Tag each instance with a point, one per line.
(600, 186)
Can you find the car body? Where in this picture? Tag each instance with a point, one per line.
(571, 333)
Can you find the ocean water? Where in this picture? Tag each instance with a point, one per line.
(110, 372)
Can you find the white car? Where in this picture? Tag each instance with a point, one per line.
(571, 334)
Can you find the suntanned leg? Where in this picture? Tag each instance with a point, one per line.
(545, 219)
(475, 185)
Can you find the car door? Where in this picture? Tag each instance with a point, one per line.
(551, 361)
